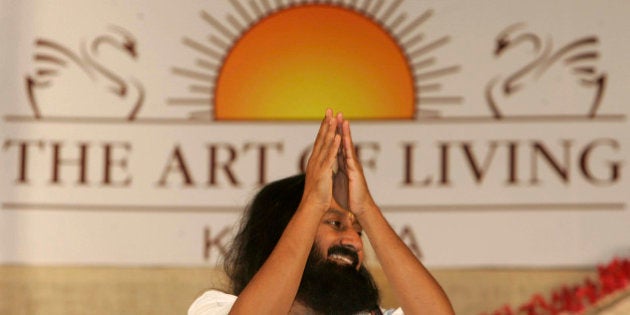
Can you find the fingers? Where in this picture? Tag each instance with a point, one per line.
(318, 187)
(359, 198)
(331, 144)
(348, 146)
(339, 123)
(333, 150)
(340, 159)
(323, 129)
(327, 143)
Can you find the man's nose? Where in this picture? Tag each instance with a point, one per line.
(350, 238)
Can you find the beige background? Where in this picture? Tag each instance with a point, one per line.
(117, 290)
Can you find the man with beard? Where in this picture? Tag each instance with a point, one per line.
(299, 248)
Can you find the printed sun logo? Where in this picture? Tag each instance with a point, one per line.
(289, 62)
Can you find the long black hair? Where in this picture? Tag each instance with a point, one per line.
(263, 222)
(261, 227)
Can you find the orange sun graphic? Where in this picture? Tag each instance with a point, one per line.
(294, 61)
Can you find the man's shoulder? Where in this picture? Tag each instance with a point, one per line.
(212, 302)
(391, 311)
(397, 311)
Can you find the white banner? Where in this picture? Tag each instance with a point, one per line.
(492, 133)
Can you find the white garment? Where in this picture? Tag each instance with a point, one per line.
(215, 302)
(212, 302)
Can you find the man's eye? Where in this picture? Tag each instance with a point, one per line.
(335, 224)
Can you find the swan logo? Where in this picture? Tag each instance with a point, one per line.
(79, 84)
(289, 61)
(554, 82)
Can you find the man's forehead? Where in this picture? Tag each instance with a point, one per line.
(342, 213)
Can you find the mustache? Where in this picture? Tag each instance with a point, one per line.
(346, 252)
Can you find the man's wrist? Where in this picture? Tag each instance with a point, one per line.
(313, 205)
(368, 207)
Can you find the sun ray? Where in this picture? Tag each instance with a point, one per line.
(201, 115)
(267, 6)
(189, 101)
(429, 47)
(415, 23)
(389, 11)
(242, 11)
(376, 8)
(219, 43)
(366, 5)
(436, 73)
(397, 22)
(427, 88)
(441, 100)
(423, 63)
(201, 89)
(218, 26)
(235, 23)
(207, 65)
(275, 6)
(194, 75)
(423, 113)
(413, 41)
(256, 8)
(202, 48)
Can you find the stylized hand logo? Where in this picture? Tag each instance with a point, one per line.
(79, 85)
(552, 83)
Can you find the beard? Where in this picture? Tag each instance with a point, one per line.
(331, 288)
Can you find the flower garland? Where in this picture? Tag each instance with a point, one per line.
(611, 278)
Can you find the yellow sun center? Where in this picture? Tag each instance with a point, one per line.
(296, 62)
